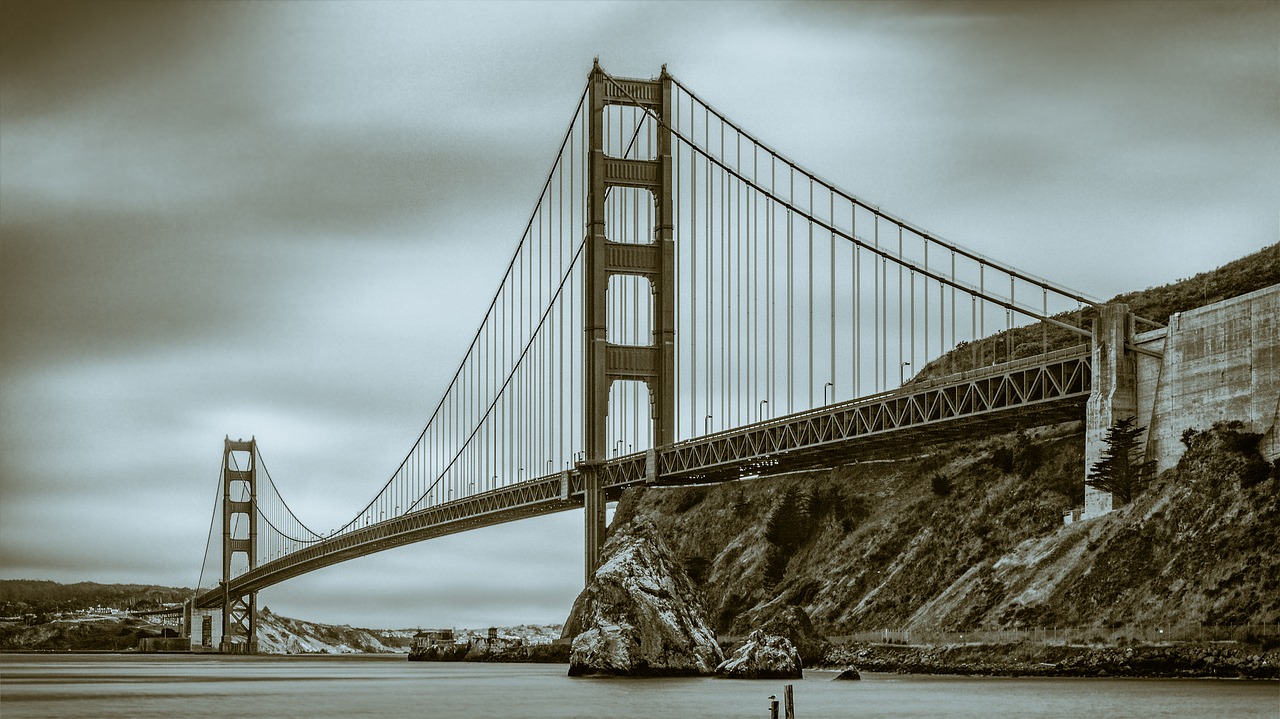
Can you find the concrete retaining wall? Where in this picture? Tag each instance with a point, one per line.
(1214, 363)
(164, 644)
(1221, 362)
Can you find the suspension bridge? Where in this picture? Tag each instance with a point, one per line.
(684, 305)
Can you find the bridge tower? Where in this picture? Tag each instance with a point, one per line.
(606, 362)
(239, 613)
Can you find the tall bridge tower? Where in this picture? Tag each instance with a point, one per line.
(654, 261)
(239, 535)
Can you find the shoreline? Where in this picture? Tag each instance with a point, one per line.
(1191, 661)
(1219, 659)
(987, 660)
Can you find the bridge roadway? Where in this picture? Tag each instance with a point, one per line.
(1034, 391)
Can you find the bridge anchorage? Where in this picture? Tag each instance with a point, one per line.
(687, 305)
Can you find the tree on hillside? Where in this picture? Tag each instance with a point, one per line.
(790, 521)
(1122, 471)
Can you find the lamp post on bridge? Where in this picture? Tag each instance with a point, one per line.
(901, 373)
(832, 385)
(763, 402)
(706, 425)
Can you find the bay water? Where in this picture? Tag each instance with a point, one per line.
(190, 686)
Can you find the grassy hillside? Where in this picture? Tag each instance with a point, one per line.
(1253, 272)
(64, 635)
(970, 537)
(866, 544)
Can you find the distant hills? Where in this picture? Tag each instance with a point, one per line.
(49, 616)
(19, 597)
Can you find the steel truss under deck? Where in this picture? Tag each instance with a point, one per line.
(1036, 391)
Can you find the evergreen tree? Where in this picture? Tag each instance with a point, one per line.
(1121, 470)
(790, 521)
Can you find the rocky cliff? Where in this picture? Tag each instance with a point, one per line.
(282, 635)
(640, 615)
(969, 536)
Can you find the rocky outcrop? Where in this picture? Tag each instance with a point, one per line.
(641, 615)
(791, 622)
(283, 635)
(762, 656)
(848, 675)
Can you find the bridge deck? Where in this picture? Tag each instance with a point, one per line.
(1042, 390)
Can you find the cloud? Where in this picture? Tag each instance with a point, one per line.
(56, 53)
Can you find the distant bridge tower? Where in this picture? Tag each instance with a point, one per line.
(605, 363)
(239, 518)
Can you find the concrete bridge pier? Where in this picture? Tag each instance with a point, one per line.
(1114, 395)
(594, 516)
(188, 613)
(239, 624)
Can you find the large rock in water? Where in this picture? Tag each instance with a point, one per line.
(763, 656)
(787, 621)
(641, 615)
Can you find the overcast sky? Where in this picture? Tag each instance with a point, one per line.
(284, 220)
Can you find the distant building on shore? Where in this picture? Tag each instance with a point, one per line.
(432, 638)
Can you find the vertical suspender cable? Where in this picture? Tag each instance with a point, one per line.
(875, 305)
(676, 151)
(694, 427)
(809, 379)
(855, 307)
(900, 264)
(713, 326)
(791, 198)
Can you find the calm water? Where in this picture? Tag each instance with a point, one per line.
(191, 686)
